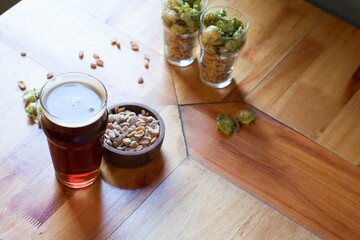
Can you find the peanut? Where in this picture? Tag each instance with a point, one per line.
(22, 85)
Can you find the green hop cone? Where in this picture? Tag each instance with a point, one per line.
(244, 116)
(182, 16)
(225, 124)
(31, 96)
(222, 35)
(31, 110)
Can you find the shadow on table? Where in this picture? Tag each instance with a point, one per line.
(133, 178)
(190, 89)
(84, 206)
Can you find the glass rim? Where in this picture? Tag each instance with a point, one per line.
(46, 111)
(203, 6)
(224, 7)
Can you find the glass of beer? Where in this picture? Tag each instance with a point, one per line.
(74, 119)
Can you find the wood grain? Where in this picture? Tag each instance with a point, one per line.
(275, 28)
(14, 68)
(42, 207)
(34, 203)
(100, 9)
(174, 196)
(202, 205)
(342, 135)
(122, 68)
(296, 176)
(309, 92)
(141, 20)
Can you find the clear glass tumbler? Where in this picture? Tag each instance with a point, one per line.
(221, 44)
(181, 21)
(74, 119)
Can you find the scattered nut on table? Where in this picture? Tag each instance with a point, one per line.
(21, 85)
(129, 131)
(141, 80)
(134, 46)
(100, 62)
(23, 54)
(146, 61)
(81, 55)
(49, 75)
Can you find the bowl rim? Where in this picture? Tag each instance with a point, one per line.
(151, 147)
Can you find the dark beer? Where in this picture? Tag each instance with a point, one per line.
(74, 120)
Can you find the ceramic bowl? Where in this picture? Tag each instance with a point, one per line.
(133, 159)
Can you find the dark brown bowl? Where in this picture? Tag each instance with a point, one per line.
(131, 159)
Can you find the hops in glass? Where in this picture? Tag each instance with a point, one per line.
(222, 36)
(181, 20)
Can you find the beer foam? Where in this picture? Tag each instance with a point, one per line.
(73, 102)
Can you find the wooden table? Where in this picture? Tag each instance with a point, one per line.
(293, 174)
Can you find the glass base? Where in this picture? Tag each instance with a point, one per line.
(217, 85)
(179, 63)
(78, 180)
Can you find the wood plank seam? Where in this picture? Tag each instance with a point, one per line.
(229, 180)
(331, 165)
(290, 49)
(150, 195)
(253, 106)
(27, 56)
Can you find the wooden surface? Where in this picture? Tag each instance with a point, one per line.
(279, 166)
(315, 90)
(293, 174)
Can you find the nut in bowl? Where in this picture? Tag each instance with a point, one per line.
(134, 135)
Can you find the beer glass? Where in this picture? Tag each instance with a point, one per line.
(74, 119)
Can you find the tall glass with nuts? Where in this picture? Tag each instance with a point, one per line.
(181, 20)
(222, 36)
